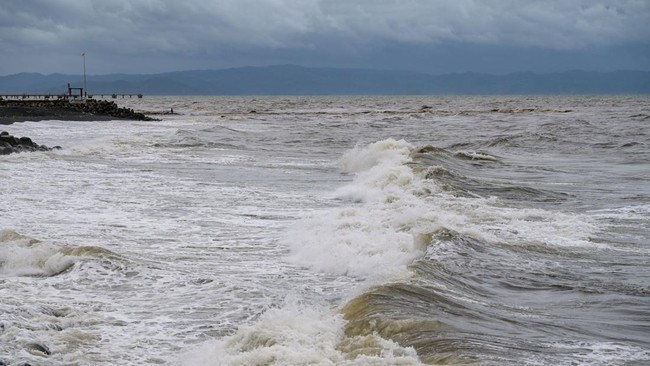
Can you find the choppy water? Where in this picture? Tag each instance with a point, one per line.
(332, 231)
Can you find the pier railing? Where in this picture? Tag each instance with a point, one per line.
(65, 96)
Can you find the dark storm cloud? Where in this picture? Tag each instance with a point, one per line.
(156, 35)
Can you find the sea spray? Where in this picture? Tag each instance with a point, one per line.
(24, 256)
(369, 235)
(361, 239)
(299, 334)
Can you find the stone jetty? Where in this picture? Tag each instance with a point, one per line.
(11, 144)
(88, 110)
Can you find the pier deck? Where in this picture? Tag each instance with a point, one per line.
(29, 96)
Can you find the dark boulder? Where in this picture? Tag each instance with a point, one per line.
(38, 348)
(8, 139)
(103, 107)
(25, 141)
(10, 144)
(5, 148)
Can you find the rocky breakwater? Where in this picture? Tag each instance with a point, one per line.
(106, 108)
(12, 111)
(11, 144)
(88, 110)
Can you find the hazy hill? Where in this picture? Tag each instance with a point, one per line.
(296, 80)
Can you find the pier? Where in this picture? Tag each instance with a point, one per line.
(29, 96)
(33, 96)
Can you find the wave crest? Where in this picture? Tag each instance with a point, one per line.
(24, 256)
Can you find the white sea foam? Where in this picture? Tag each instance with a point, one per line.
(604, 353)
(633, 212)
(203, 228)
(22, 256)
(370, 235)
(363, 158)
(476, 155)
(374, 234)
(298, 334)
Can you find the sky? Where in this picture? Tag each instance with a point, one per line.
(432, 36)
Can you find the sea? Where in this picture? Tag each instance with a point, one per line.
(331, 230)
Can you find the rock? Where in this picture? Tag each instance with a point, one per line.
(103, 107)
(9, 139)
(26, 141)
(5, 148)
(10, 144)
(38, 348)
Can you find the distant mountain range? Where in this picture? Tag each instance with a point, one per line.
(297, 80)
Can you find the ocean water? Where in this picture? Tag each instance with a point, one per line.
(332, 231)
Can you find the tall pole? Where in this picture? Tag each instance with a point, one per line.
(83, 55)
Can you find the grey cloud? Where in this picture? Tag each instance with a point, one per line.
(284, 23)
(223, 29)
(552, 24)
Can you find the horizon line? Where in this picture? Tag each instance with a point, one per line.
(336, 68)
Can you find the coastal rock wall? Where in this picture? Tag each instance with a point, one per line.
(11, 144)
(56, 109)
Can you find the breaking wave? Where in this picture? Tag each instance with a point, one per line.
(24, 256)
(402, 224)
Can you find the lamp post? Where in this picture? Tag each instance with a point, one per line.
(83, 56)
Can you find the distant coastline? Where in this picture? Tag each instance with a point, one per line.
(297, 80)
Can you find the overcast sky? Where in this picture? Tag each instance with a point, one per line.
(434, 36)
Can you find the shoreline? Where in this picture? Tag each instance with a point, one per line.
(12, 111)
